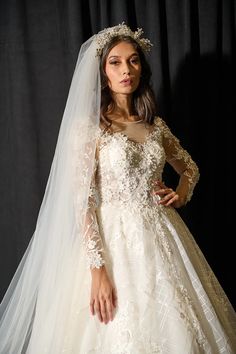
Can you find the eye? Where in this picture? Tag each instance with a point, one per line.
(114, 62)
(135, 60)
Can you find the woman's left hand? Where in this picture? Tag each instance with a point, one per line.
(168, 196)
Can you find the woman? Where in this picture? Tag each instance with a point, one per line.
(150, 290)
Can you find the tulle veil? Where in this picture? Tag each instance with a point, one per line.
(43, 282)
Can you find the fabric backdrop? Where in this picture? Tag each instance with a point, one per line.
(192, 63)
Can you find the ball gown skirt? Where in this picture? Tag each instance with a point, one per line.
(169, 300)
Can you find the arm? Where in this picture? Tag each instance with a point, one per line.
(103, 295)
(91, 237)
(182, 163)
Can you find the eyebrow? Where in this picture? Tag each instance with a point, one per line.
(118, 56)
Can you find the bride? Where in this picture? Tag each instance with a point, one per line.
(112, 267)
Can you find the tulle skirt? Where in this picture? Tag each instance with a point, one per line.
(168, 299)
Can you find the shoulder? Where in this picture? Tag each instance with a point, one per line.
(160, 122)
(164, 129)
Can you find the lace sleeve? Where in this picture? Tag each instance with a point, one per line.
(91, 237)
(180, 160)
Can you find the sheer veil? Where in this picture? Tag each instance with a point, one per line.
(43, 281)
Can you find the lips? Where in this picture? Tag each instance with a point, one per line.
(127, 82)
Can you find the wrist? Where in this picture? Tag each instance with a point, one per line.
(180, 202)
(96, 271)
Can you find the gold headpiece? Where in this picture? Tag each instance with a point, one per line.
(104, 36)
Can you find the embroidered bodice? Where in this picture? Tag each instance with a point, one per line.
(124, 172)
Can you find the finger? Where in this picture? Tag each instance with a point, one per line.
(167, 197)
(92, 307)
(109, 308)
(169, 202)
(172, 200)
(158, 191)
(103, 310)
(114, 298)
(164, 191)
(97, 309)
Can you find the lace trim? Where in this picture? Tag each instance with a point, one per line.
(83, 154)
(179, 153)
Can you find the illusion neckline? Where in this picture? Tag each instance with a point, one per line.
(127, 139)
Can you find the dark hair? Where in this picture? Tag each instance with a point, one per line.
(144, 104)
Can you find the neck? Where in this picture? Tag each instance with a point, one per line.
(123, 106)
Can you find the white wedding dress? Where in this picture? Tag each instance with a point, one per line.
(169, 300)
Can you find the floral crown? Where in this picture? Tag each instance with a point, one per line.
(104, 36)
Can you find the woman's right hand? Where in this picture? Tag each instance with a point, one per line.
(103, 295)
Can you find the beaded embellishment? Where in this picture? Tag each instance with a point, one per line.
(104, 36)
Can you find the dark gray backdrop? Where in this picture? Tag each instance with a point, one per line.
(192, 62)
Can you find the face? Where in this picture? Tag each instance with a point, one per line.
(123, 68)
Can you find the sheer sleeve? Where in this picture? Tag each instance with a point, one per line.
(91, 237)
(180, 160)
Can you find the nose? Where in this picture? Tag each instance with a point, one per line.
(125, 69)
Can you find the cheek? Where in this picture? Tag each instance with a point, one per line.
(108, 72)
(111, 75)
(139, 72)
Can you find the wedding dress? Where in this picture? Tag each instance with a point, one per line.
(169, 300)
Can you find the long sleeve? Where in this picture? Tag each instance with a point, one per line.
(91, 237)
(181, 161)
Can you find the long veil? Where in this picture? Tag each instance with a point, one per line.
(43, 280)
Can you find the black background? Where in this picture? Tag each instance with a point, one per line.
(192, 63)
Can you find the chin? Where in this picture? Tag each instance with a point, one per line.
(127, 91)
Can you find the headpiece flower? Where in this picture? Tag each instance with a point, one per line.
(104, 36)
